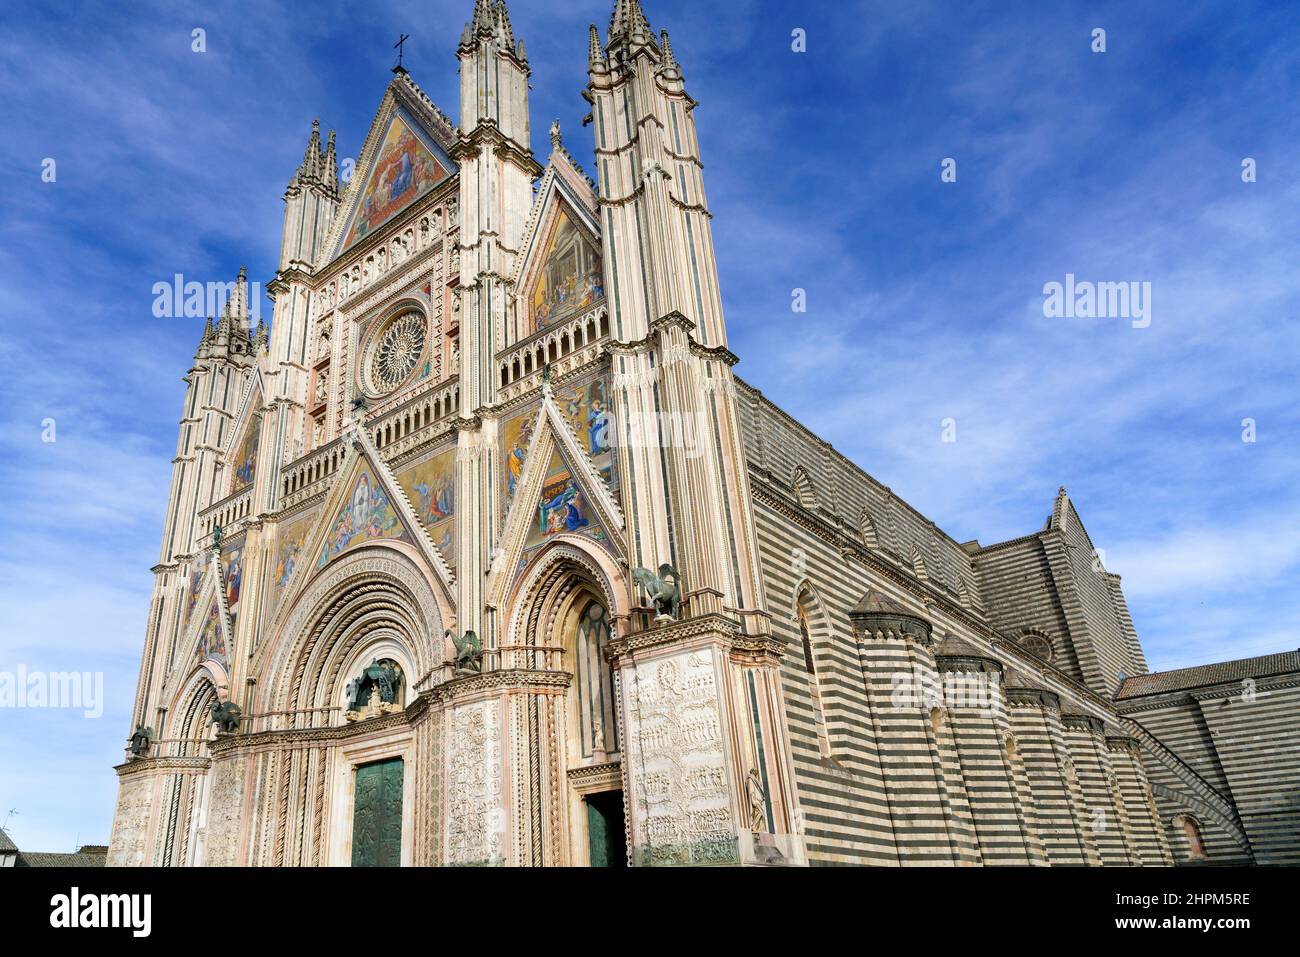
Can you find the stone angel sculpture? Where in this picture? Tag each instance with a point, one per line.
(664, 590)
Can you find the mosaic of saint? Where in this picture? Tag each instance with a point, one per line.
(288, 555)
(586, 407)
(431, 488)
(246, 457)
(232, 573)
(563, 507)
(366, 516)
(405, 170)
(515, 438)
(212, 644)
(570, 279)
(196, 579)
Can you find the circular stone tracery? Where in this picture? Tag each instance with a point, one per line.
(397, 350)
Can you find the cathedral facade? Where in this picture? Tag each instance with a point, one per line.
(482, 554)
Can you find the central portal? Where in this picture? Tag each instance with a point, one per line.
(377, 815)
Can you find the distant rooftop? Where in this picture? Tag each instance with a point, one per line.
(1181, 679)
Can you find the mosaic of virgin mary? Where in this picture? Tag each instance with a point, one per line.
(404, 170)
(367, 515)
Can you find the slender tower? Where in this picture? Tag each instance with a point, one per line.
(311, 201)
(685, 482)
(215, 384)
(497, 170)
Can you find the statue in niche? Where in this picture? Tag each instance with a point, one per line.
(469, 653)
(757, 801)
(375, 691)
(141, 739)
(225, 715)
(664, 590)
(453, 211)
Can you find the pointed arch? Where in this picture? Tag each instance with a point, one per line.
(867, 529)
(377, 595)
(803, 487)
(808, 617)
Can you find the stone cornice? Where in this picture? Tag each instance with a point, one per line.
(967, 664)
(144, 765)
(505, 679)
(1040, 697)
(1084, 722)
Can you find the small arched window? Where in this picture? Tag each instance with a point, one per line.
(1195, 846)
(814, 683)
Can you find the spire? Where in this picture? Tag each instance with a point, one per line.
(504, 32)
(234, 316)
(331, 162)
(206, 339)
(669, 66)
(310, 169)
(628, 26)
(484, 21)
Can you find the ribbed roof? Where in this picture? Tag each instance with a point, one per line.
(5, 843)
(1160, 682)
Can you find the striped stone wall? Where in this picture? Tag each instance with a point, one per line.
(1243, 740)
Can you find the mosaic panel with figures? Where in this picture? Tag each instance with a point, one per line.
(431, 488)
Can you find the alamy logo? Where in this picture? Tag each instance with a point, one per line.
(74, 910)
(1098, 300)
(191, 299)
(53, 689)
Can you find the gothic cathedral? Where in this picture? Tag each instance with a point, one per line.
(482, 554)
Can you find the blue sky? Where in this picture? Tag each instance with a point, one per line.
(823, 173)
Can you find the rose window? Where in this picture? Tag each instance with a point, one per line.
(396, 351)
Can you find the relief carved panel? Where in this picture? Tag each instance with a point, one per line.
(677, 763)
(475, 811)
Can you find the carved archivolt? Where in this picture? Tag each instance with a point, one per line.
(375, 594)
(563, 563)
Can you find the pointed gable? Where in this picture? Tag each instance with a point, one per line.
(365, 514)
(406, 163)
(568, 278)
(559, 272)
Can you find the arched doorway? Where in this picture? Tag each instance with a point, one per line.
(565, 606)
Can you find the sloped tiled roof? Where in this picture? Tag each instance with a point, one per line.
(90, 855)
(1160, 682)
(5, 843)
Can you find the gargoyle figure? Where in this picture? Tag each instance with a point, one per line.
(663, 589)
(469, 653)
(226, 716)
(141, 738)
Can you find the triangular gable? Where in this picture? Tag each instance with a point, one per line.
(365, 506)
(401, 162)
(366, 513)
(558, 492)
(559, 272)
